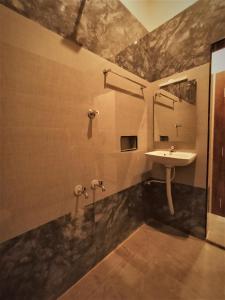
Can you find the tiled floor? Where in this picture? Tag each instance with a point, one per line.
(216, 229)
(156, 264)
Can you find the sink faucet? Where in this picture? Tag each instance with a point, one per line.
(172, 148)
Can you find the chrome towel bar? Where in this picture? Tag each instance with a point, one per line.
(105, 72)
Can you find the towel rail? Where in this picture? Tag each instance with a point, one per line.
(105, 72)
(164, 95)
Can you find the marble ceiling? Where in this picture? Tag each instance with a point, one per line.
(180, 44)
(108, 29)
(103, 27)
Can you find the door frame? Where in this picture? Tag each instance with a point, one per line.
(217, 45)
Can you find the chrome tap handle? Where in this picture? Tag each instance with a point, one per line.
(97, 183)
(94, 184)
(80, 190)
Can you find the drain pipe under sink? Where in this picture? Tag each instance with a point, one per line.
(168, 187)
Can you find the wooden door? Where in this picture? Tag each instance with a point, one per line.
(218, 180)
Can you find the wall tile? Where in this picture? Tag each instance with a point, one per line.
(49, 144)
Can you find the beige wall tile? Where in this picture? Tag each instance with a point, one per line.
(49, 144)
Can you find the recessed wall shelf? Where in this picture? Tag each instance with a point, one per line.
(164, 138)
(128, 143)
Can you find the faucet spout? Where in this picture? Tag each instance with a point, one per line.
(172, 149)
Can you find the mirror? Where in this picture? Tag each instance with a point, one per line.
(175, 112)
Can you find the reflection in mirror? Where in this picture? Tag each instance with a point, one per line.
(175, 112)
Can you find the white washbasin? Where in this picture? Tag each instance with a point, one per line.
(171, 159)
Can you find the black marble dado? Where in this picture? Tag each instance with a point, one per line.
(105, 27)
(179, 44)
(189, 205)
(44, 262)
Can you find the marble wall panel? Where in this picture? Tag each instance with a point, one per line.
(97, 25)
(179, 44)
(185, 90)
(189, 205)
(107, 27)
(57, 15)
(44, 262)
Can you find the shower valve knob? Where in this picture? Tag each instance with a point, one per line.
(92, 113)
(80, 190)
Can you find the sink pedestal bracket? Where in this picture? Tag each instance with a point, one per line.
(168, 190)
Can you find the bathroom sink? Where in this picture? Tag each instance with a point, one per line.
(171, 159)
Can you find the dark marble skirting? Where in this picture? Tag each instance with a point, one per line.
(189, 203)
(44, 262)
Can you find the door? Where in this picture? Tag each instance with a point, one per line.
(218, 180)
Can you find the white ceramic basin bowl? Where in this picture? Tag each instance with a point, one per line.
(171, 159)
